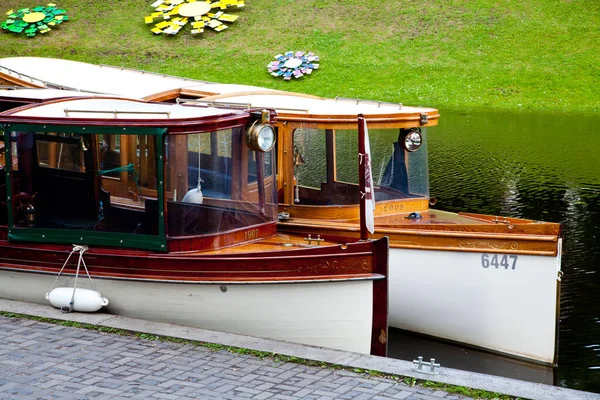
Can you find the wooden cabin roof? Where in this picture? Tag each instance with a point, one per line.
(289, 103)
(152, 86)
(52, 72)
(114, 111)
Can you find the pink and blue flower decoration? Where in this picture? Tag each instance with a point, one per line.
(293, 64)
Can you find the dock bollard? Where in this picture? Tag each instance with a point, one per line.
(421, 366)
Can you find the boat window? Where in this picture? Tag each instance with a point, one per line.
(65, 153)
(326, 167)
(130, 159)
(2, 157)
(109, 156)
(310, 158)
(397, 173)
(199, 161)
(144, 154)
(252, 162)
(208, 184)
(418, 169)
(57, 187)
(346, 153)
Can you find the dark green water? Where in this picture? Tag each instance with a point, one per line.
(537, 166)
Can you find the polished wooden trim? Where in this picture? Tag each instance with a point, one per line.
(19, 101)
(351, 212)
(285, 164)
(322, 263)
(343, 122)
(179, 125)
(165, 96)
(220, 240)
(379, 333)
(392, 216)
(403, 115)
(6, 79)
(440, 239)
(178, 165)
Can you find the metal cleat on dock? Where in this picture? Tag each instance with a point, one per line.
(426, 367)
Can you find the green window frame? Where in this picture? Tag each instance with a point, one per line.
(109, 239)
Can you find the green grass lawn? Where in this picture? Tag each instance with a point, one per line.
(533, 55)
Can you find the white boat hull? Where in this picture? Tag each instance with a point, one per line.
(335, 315)
(453, 295)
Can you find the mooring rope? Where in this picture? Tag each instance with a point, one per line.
(81, 249)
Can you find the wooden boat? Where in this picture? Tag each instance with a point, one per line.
(487, 281)
(116, 184)
(490, 282)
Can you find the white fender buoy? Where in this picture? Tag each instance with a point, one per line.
(193, 196)
(85, 300)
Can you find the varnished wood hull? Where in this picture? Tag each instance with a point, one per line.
(330, 297)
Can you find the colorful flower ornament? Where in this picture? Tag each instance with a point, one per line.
(175, 14)
(296, 65)
(34, 20)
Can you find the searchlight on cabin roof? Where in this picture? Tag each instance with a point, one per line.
(261, 135)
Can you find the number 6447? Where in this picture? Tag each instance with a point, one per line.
(499, 260)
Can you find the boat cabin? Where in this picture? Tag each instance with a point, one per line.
(318, 147)
(124, 173)
(318, 137)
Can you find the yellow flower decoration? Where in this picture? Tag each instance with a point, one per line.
(175, 14)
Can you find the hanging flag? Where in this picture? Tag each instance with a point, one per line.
(367, 189)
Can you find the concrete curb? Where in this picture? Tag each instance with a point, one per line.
(451, 376)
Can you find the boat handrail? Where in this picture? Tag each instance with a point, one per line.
(20, 75)
(143, 72)
(115, 112)
(378, 103)
(215, 103)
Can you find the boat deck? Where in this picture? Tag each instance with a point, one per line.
(279, 242)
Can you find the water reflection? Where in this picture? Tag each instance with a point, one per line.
(407, 346)
(536, 166)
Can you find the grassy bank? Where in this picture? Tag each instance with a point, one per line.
(534, 55)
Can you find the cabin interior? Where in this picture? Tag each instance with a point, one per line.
(325, 168)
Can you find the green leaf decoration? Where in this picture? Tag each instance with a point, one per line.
(34, 20)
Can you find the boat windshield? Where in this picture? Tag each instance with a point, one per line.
(215, 183)
(326, 168)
